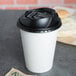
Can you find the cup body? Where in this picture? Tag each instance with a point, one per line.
(39, 49)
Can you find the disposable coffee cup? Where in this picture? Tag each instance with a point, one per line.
(38, 28)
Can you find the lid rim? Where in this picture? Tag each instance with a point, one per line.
(19, 24)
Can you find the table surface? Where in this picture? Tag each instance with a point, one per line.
(11, 53)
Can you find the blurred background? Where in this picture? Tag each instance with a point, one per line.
(30, 4)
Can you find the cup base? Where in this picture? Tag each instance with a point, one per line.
(39, 71)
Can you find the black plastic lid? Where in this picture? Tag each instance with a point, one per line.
(38, 20)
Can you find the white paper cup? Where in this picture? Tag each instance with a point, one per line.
(39, 49)
(39, 35)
